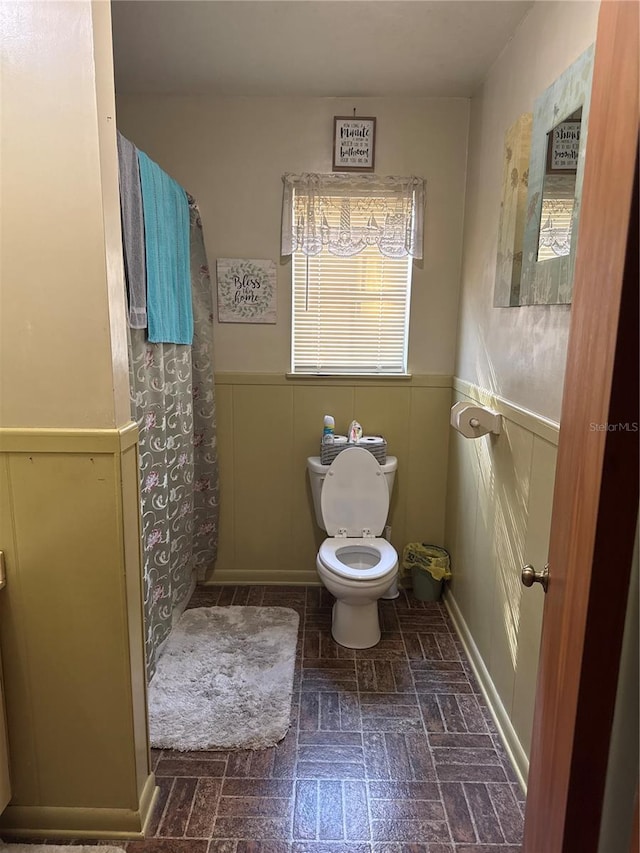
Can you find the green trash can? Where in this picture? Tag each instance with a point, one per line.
(430, 566)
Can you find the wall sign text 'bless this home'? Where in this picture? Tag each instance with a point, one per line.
(246, 290)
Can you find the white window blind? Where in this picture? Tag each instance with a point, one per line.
(350, 314)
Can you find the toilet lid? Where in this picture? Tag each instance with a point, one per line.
(354, 494)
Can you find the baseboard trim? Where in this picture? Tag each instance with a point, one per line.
(508, 734)
(63, 823)
(279, 577)
(148, 800)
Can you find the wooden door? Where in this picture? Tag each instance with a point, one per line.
(596, 491)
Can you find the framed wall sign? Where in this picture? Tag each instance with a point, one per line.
(563, 147)
(354, 143)
(246, 291)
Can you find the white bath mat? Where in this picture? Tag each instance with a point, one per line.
(56, 848)
(224, 679)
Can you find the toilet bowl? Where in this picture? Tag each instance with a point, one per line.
(351, 498)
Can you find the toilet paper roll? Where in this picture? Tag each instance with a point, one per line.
(475, 421)
(371, 440)
(340, 439)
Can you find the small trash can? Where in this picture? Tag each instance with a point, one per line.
(429, 566)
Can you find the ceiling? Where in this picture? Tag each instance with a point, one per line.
(310, 47)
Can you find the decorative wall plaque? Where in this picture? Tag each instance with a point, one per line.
(354, 143)
(246, 290)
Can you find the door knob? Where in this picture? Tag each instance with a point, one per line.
(530, 576)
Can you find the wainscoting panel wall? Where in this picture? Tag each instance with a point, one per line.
(500, 493)
(71, 633)
(268, 425)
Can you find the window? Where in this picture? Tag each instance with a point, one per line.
(351, 277)
(556, 216)
(350, 315)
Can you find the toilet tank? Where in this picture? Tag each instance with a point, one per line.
(318, 471)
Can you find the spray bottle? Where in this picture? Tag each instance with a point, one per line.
(328, 429)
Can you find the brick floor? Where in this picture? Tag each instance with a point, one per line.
(391, 750)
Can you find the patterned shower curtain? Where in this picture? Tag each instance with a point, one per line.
(173, 402)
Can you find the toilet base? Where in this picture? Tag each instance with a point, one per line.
(355, 626)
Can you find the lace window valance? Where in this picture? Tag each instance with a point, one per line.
(343, 214)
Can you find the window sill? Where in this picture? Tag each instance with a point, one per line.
(350, 376)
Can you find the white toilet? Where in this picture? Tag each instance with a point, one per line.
(351, 501)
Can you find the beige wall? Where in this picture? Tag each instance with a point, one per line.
(63, 359)
(231, 153)
(500, 489)
(71, 614)
(518, 353)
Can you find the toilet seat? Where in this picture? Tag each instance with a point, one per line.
(381, 548)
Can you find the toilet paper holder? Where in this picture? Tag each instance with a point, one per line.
(473, 421)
